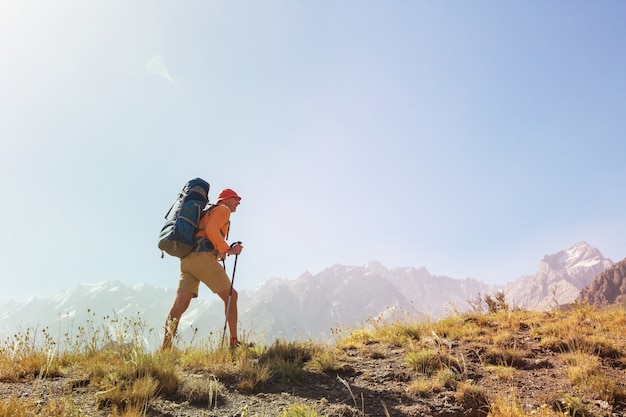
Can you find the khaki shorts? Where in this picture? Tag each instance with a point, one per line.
(202, 267)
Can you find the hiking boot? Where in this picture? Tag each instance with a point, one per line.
(235, 343)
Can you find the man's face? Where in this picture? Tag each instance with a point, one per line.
(231, 203)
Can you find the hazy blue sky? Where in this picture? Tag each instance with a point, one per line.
(471, 138)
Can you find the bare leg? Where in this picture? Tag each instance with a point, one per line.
(232, 312)
(181, 302)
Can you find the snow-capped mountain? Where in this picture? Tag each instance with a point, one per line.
(309, 307)
(559, 278)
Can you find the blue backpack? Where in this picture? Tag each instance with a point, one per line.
(181, 221)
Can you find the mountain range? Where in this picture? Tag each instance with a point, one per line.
(315, 306)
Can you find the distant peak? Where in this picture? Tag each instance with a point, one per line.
(374, 265)
(582, 245)
(583, 250)
(377, 268)
(579, 255)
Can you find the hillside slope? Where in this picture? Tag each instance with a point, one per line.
(530, 363)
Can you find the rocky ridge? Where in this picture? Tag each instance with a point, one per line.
(608, 288)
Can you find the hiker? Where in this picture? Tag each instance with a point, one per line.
(203, 265)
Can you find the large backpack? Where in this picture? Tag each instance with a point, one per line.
(181, 221)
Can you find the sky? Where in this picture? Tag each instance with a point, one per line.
(470, 138)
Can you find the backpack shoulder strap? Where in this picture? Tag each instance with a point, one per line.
(202, 239)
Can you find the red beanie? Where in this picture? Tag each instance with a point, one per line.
(227, 193)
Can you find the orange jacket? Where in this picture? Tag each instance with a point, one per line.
(215, 226)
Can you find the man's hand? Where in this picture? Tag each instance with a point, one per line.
(235, 249)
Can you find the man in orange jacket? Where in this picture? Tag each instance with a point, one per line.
(203, 265)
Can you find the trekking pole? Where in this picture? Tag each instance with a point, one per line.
(230, 294)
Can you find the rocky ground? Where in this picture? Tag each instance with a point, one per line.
(372, 381)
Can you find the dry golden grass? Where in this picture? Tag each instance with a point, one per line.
(428, 362)
(127, 378)
(398, 332)
(421, 387)
(299, 410)
(325, 359)
(508, 405)
(504, 373)
(471, 395)
(584, 370)
(196, 389)
(17, 407)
